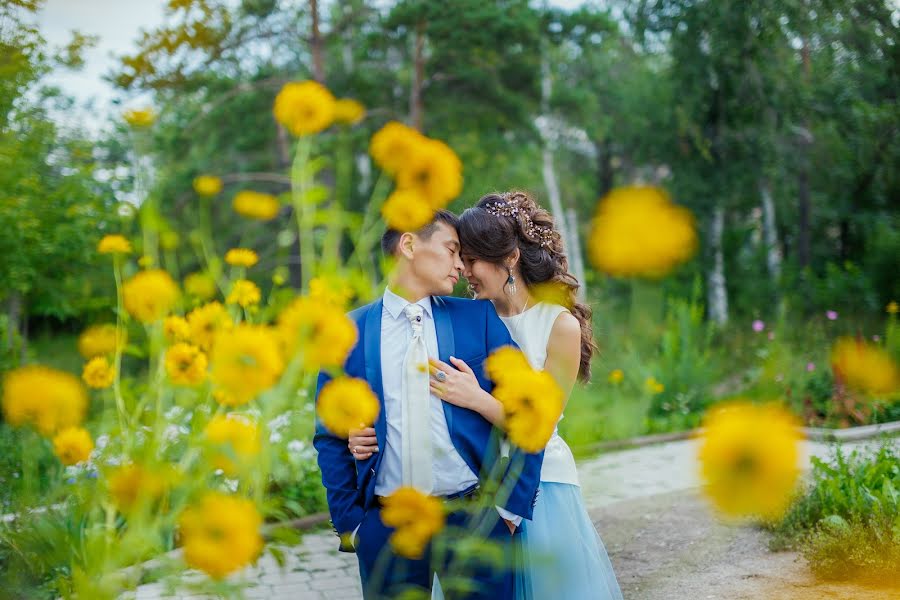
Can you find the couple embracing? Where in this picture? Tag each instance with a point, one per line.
(434, 429)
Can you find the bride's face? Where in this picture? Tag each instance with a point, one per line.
(486, 280)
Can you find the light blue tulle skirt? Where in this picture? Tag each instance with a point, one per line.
(562, 554)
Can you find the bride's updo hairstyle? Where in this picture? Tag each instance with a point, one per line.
(501, 222)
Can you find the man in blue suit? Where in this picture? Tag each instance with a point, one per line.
(439, 448)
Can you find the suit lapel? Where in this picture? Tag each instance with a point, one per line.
(373, 364)
(443, 326)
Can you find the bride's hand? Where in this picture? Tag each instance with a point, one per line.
(363, 443)
(460, 387)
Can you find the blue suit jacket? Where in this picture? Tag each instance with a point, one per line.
(467, 329)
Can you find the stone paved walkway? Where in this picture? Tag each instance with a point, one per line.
(315, 570)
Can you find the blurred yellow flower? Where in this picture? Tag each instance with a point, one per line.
(345, 404)
(393, 146)
(150, 295)
(330, 290)
(866, 367)
(244, 293)
(100, 339)
(48, 399)
(893, 308)
(434, 171)
(417, 518)
(185, 364)
(256, 205)
(532, 403)
(73, 445)
(304, 107)
(220, 534)
(638, 232)
(114, 244)
(616, 376)
(653, 386)
(749, 459)
(140, 118)
(207, 185)
(407, 210)
(246, 361)
(349, 111)
(206, 322)
(169, 240)
(320, 331)
(241, 257)
(200, 285)
(176, 329)
(235, 431)
(133, 485)
(98, 373)
(505, 362)
(145, 262)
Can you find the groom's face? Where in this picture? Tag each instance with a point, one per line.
(435, 260)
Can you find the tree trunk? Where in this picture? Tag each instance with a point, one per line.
(718, 293)
(770, 231)
(13, 314)
(605, 175)
(576, 262)
(416, 108)
(316, 43)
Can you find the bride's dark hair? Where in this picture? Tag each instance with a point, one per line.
(501, 222)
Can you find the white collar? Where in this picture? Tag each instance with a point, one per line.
(395, 304)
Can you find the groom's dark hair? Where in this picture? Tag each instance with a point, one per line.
(391, 237)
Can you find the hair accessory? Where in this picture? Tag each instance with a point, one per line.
(510, 208)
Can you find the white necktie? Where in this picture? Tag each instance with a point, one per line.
(416, 407)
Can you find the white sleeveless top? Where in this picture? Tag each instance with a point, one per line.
(531, 331)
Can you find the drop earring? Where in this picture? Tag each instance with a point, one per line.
(511, 282)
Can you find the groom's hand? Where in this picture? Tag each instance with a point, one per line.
(362, 443)
(511, 525)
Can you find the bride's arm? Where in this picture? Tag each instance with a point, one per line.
(564, 352)
(461, 389)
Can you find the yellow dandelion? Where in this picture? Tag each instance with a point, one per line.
(749, 459)
(304, 107)
(407, 210)
(256, 205)
(145, 262)
(176, 329)
(150, 295)
(169, 240)
(207, 185)
(349, 111)
(140, 118)
(133, 486)
(416, 517)
(114, 244)
(434, 172)
(73, 445)
(241, 257)
(246, 361)
(320, 331)
(98, 373)
(226, 399)
(102, 339)
(244, 293)
(206, 322)
(865, 367)
(48, 399)
(616, 376)
(653, 386)
(532, 404)
(892, 308)
(345, 404)
(333, 291)
(185, 364)
(239, 435)
(220, 534)
(639, 232)
(505, 362)
(394, 145)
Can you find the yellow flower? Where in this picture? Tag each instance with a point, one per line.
(176, 329)
(200, 285)
(100, 339)
(150, 295)
(133, 485)
(226, 399)
(46, 398)
(749, 459)
(246, 362)
(241, 257)
(207, 185)
(653, 386)
(145, 262)
(349, 111)
(407, 210)
(893, 308)
(416, 518)
(114, 244)
(345, 404)
(140, 118)
(256, 205)
(532, 403)
(864, 367)
(98, 373)
(639, 232)
(206, 322)
(304, 107)
(237, 432)
(330, 290)
(169, 240)
(434, 171)
(73, 445)
(616, 376)
(393, 146)
(244, 293)
(505, 362)
(321, 331)
(185, 364)
(220, 534)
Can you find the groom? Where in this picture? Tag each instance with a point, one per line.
(434, 446)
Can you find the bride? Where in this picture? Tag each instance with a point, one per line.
(513, 256)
